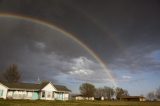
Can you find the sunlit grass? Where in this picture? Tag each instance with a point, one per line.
(74, 103)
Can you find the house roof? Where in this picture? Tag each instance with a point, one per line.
(32, 86)
(131, 97)
(28, 86)
(61, 88)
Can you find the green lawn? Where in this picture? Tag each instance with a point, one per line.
(74, 103)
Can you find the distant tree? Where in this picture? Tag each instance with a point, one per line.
(119, 92)
(151, 96)
(99, 92)
(87, 89)
(109, 92)
(158, 93)
(12, 74)
(106, 92)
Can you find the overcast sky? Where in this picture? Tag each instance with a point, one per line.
(124, 34)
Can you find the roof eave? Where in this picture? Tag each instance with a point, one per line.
(4, 85)
(24, 89)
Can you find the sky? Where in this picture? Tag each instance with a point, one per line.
(124, 35)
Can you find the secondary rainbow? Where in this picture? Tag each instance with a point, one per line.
(69, 35)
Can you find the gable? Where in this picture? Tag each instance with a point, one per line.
(49, 87)
(3, 86)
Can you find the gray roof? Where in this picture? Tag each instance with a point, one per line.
(125, 97)
(61, 88)
(32, 86)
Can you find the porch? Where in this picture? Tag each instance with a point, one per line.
(23, 94)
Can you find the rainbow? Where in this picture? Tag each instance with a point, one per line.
(69, 35)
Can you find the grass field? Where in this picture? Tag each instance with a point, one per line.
(74, 103)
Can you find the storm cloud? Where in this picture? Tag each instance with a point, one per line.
(37, 49)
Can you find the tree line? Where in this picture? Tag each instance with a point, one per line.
(154, 95)
(89, 90)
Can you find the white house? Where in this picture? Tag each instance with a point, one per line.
(43, 91)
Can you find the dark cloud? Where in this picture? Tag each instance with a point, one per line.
(36, 48)
(137, 59)
(24, 33)
(113, 25)
(42, 52)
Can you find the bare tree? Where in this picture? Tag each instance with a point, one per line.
(106, 92)
(158, 93)
(151, 96)
(12, 74)
(87, 89)
(120, 92)
(99, 92)
(109, 92)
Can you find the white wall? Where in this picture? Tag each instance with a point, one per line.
(79, 98)
(20, 94)
(58, 96)
(17, 94)
(66, 96)
(142, 99)
(84, 98)
(5, 89)
(61, 96)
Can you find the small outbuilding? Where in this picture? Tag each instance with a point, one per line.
(81, 97)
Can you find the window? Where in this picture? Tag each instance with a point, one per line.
(29, 94)
(1, 92)
(43, 94)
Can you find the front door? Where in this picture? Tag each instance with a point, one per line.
(49, 95)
